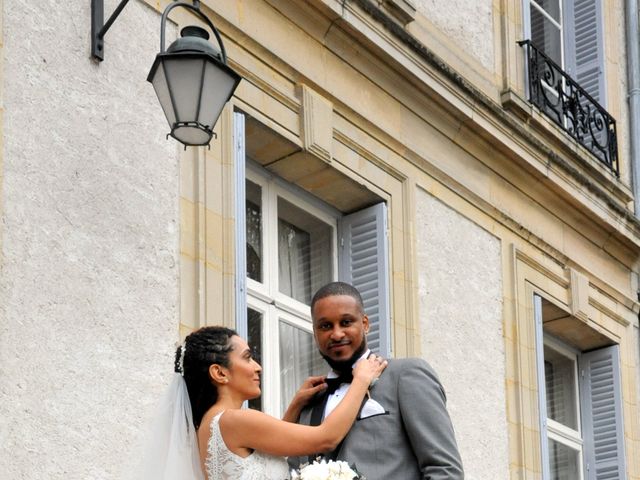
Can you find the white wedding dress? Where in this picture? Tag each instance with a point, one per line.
(222, 464)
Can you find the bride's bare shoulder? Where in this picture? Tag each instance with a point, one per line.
(241, 415)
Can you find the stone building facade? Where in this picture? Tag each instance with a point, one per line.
(391, 143)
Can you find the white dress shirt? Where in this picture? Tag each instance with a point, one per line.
(335, 397)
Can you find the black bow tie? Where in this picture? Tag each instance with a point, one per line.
(334, 383)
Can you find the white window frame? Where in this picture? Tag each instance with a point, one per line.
(559, 24)
(526, 4)
(349, 263)
(555, 430)
(610, 451)
(265, 296)
(550, 429)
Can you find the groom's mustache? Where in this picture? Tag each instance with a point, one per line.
(341, 342)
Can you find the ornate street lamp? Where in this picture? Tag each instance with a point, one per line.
(191, 78)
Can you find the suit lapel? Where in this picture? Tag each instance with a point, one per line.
(317, 413)
(318, 409)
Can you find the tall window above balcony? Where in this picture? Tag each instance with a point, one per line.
(565, 71)
(570, 33)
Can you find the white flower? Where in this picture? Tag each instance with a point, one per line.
(341, 471)
(333, 470)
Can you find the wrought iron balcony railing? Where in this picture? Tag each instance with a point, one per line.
(571, 107)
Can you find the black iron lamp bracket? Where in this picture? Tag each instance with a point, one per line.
(99, 28)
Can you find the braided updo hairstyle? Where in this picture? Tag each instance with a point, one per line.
(203, 348)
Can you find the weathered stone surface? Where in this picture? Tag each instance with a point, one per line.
(88, 289)
(460, 301)
(467, 24)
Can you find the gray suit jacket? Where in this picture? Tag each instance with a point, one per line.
(413, 439)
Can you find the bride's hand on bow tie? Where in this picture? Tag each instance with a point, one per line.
(309, 388)
(369, 369)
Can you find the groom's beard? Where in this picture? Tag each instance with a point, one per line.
(345, 366)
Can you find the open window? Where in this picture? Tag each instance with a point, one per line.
(580, 398)
(292, 240)
(570, 32)
(564, 46)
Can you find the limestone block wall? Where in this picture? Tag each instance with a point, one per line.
(469, 25)
(460, 310)
(89, 276)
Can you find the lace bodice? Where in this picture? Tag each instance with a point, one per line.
(222, 464)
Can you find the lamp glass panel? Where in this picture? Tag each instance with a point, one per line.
(159, 83)
(217, 87)
(184, 76)
(191, 135)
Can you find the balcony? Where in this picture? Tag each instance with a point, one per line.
(564, 101)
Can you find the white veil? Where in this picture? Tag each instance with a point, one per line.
(172, 448)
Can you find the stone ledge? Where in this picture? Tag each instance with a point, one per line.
(403, 10)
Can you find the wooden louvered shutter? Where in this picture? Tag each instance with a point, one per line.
(584, 51)
(601, 399)
(241, 233)
(363, 259)
(585, 46)
(542, 402)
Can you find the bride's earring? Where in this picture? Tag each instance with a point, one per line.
(218, 374)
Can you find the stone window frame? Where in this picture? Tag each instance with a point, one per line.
(254, 164)
(586, 323)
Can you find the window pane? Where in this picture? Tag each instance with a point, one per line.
(564, 462)
(254, 339)
(560, 383)
(304, 252)
(551, 7)
(299, 358)
(545, 35)
(254, 230)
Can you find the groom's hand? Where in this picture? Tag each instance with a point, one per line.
(309, 388)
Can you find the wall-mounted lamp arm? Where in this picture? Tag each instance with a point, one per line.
(98, 29)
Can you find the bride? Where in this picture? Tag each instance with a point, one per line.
(205, 433)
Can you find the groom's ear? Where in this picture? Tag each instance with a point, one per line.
(365, 324)
(218, 374)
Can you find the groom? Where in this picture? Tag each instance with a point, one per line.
(403, 431)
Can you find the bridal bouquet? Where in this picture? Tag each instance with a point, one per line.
(323, 470)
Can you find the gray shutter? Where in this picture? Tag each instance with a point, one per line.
(601, 398)
(241, 232)
(585, 40)
(542, 393)
(363, 259)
